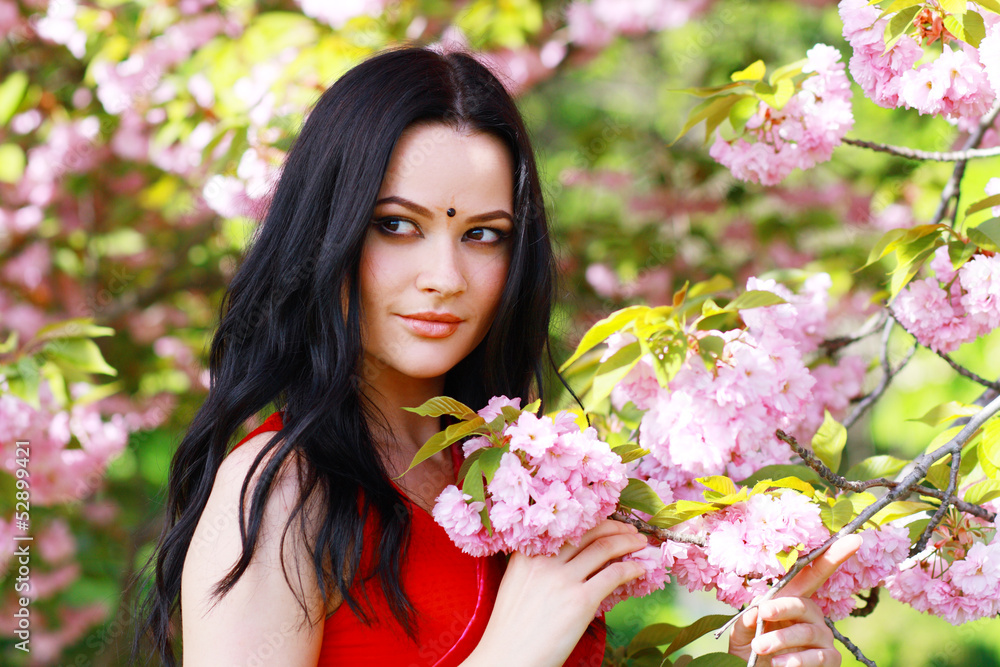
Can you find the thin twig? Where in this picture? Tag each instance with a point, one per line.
(956, 462)
(887, 374)
(914, 154)
(958, 368)
(965, 372)
(857, 486)
(953, 186)
(851, 646)
(870, 603)
(919, 471)
(661, 534)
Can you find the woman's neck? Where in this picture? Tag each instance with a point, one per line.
(389, 392)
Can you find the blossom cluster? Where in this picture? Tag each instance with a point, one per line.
(554, 482)
(748, 541)
(956, 84)
(952, 307)
(962, 588)
(800, 134)
(721, 421)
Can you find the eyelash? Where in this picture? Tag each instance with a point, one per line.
(380, 224)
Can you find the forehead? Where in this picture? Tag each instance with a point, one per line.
(437, 165)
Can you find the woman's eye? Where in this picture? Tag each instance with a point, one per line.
(485, 235)
(397, 227)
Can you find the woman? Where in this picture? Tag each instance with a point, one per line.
(405, 255)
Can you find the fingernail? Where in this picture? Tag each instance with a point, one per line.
(761, 646)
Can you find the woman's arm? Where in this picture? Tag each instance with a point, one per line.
(545, 603)
(795, 634)
(260, 621)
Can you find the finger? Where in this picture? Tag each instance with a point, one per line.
(797, 636)
(797, 610)
(611, 577)
(601, 530)
(812, 577)
(826, 657)
(605, 549)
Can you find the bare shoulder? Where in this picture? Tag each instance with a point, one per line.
(277, 600)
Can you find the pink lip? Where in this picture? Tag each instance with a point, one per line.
(432, 325)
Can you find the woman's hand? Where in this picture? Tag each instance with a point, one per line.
(795, 634)
(545, 603)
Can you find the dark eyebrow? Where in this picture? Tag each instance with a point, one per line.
(406, 203)
(413, 206)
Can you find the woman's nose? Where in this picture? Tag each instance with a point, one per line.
(442, 270)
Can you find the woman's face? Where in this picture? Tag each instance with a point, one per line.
(435, 258)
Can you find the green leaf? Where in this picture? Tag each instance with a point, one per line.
(444, 438)
(781, 471)
(700, 627)
(679, 512)
(989, 448)
(80, 354)
(787, 71)
(898, 26)
(939, 474)
(10, 344)
(443, 405)
(652, 636)
(790, 482)
(968, 27)
(829, 441)
(640, 496)
(709, 91)
(629, 452)
(77, 327)
(837, 516)
(706, 110)
(897, 5)
(720, 484)
(986, 234)
(917, 528)
(740, 113)
(533, 406)
(11, 93)
(953, 6)
(611, 372)
(882, 465)
(754, 299)
(984, 491)
(775, 96)
(473, 485)
(754, 72)
(717, 283)
(983, 204)
(991, 5)
(598, 333)
(490, 461)
(947, 412)
(900, 509)
(12, 163)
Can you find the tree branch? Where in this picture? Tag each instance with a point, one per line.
(887, 374)
(936, 156)
(905, 486)
(858, 486)
(661, 534)
(870, 603)
(851, 646)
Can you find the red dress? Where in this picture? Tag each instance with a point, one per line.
(452, 593)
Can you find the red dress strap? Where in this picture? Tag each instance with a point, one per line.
(452, 593)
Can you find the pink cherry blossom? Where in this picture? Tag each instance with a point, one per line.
(493, 408)
(802, 133)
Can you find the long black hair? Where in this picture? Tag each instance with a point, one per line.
(287, 338)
